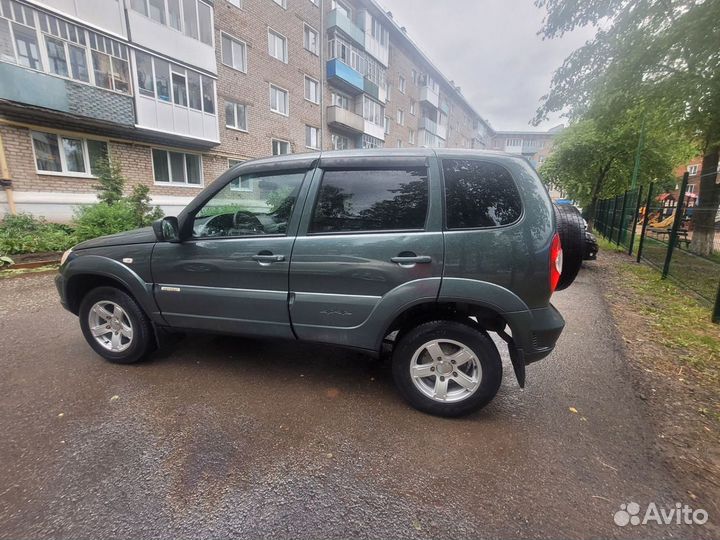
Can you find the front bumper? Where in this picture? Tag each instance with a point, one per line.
(60, 286)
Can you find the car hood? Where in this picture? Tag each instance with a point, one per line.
(137, 236)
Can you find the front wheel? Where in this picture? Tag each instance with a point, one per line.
(447, 368)
(115, 326)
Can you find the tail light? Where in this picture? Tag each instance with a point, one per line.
(556, 262)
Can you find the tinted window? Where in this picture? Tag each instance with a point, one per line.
(251, 205)
(479, 194)
(371, 200)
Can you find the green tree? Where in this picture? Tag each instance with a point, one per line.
(110, 181)
(144, 212)
(664, 52)
(594, 157)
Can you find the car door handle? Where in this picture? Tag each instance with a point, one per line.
(417, 259)
(267, 258)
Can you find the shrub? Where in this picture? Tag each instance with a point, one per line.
(103, 218)
(24, 233)
(110, 181)
(145, 214)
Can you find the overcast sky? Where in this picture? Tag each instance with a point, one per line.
(491, 49)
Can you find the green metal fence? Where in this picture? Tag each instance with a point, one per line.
(646, 222)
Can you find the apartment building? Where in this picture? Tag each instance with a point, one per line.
(536, 146)
(176, 91)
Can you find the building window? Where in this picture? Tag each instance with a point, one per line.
(167, 82)
(311, 40)
(692, 170)
(234, 52)
(373, 111)
(280, 148)
(339, 142)
(111, 69)
(401, 84)
(26, 44)
(413, 76)
(312, 137)
(387, 125)
(378, 32)
(176, 167)
(277, 46)
(399, 143)
(235, 116)
(70, 155)
(279, 100)
(340, 100)
(368, 141)
(312, 89)
(400, 117)
(690, 188)
(513, 142)
(281, 3)
(411, 136)
(236, 3)
(242, 183)
(191, 17)
(412, 107)
(342, 7)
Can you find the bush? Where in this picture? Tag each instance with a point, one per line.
(145, 214)
(103, 218)
(24, 233)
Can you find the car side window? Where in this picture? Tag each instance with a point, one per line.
(479, 194)
(250, 205)
(366, 200)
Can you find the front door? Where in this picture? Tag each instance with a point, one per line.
(232, 274)
(369, 240)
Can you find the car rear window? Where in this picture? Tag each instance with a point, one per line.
(479, 194)
(363, 200)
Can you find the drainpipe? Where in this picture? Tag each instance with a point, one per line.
(323, 42)
(5, 180)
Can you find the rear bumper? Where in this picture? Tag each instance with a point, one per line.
(535, 331)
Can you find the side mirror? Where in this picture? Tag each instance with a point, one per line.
(167, 229)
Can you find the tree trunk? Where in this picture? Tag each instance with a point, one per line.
(590, 211)
(705, 212)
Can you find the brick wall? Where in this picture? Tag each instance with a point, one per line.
(250, 24)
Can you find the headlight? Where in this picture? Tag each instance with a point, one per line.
(65, 256)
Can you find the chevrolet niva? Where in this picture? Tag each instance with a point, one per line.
(420, 251)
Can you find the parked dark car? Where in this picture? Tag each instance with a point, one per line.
(428, 250)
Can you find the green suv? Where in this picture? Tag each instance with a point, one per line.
(420, 253)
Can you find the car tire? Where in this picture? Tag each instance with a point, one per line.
(423, 379)
(115, 326)
(571, 228)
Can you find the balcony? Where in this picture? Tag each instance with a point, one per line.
(430, 96)
(65, 96)
(433, 127)
(344, 77)
(427, 139)
(344, 119)
(341, 22)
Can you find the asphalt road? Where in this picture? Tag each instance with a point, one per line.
(222, 437)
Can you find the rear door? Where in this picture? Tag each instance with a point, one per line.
(371, 226)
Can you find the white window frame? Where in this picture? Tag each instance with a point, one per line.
(287, 100)
(693, 169)
(306, 28)
(334, 137)
(172, 182)
(286, 53)
(412, 107)
(65, 172)
(411, 136)
(244, 54)
(400, 117)
(272, 143)
(317, 138)
(387, 124)
(401, 84)
(317, 91)
(281, 3)
(235, 105)
(239, 187)
(182, 28)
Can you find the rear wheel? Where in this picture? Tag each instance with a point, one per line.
(571, 228)
(115, 326)
(447, 368)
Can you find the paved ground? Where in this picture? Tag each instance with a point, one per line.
(230, 437)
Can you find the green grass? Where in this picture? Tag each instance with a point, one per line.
(678, 320)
